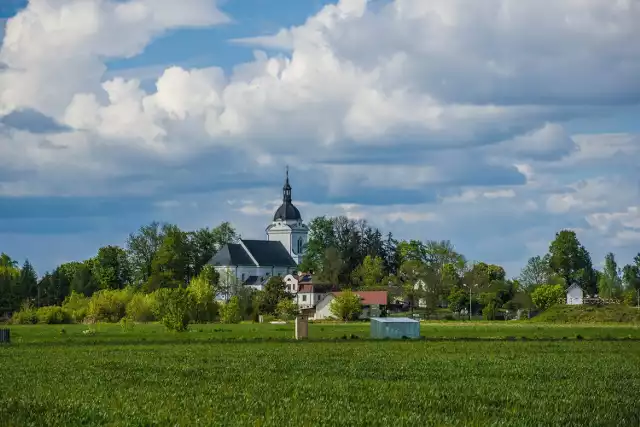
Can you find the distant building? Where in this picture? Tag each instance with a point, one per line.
(373, 303)
(252, 262)
(575, 295)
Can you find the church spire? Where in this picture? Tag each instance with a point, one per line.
(286, 190)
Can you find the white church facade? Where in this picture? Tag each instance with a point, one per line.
(253, 262)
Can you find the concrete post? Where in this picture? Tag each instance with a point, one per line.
(302, 327)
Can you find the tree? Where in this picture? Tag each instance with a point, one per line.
(84, 281)
(331, 267)
(346, 306)
(286, 309)
(9, 277)
(413, 250)
(545, 296)
(572, 262)
(230, 312)
(537, 272)
(610, 282)
(171, 267)
(458, 300)
(28, 282)
(370, 274)
(141, 248)
(321, 237)
(274, 292)
(202, 295)
(111, 268)
(631, 274)
(205, 242)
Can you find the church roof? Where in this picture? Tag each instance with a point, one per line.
(231, 254)
(269, 252)
(266, 253)
(287, 211)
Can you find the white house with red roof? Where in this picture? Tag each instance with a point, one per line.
(316, 298)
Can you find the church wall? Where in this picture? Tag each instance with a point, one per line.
(242, 272)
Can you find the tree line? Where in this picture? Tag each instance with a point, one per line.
(346, 253)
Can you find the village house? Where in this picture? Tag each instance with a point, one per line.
(575, 295)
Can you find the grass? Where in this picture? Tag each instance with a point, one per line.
(216, 375)
(589, 314)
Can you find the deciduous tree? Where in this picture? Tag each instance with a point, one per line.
(346, 306)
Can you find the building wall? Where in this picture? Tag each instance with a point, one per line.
(575, 295)
(323, 310)
(292, 234)
(242, 273)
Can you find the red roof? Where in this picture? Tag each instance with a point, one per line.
(305, 288)
(370, 297)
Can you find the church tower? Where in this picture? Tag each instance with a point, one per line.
(287, 226)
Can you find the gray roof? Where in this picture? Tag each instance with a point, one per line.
(269, 252)
(232, 254)
(266, 253)
(394, 320)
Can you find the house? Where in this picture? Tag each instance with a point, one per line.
(575, 295)
(252, 262)
(373, 303)
(306, 294)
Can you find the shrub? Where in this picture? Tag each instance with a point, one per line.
(53, 315)
(77, 305)
(177, 310)
(26, 316)
(109, 305)
(204, 307)
(159, 301)
(545, 296)
(140, 308)
(230, 312)
(286, 309)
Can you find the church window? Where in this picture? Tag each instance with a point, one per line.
(299, 245)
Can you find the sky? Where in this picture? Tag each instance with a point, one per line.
(491, 124)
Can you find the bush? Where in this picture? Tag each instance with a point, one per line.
(53, 315)
(26, 316)
(177, 310)
(286, 309)
(109, 305)
(140, 308)
(77, 305)
(230, 312)
(159, 301)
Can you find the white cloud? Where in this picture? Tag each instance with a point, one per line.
(461, 100)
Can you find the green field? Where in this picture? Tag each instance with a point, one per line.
(252, 375)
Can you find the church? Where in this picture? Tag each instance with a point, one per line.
(252, 262)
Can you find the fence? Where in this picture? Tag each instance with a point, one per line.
(5, 336)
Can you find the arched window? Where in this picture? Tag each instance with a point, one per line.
(299, 245)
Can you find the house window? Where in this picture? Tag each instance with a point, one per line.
(243, 277)
(304, 298)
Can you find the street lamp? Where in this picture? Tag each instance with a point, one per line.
(469, 286)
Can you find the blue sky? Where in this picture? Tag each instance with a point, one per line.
(493, 124)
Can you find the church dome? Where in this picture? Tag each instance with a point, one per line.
(286, 212)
